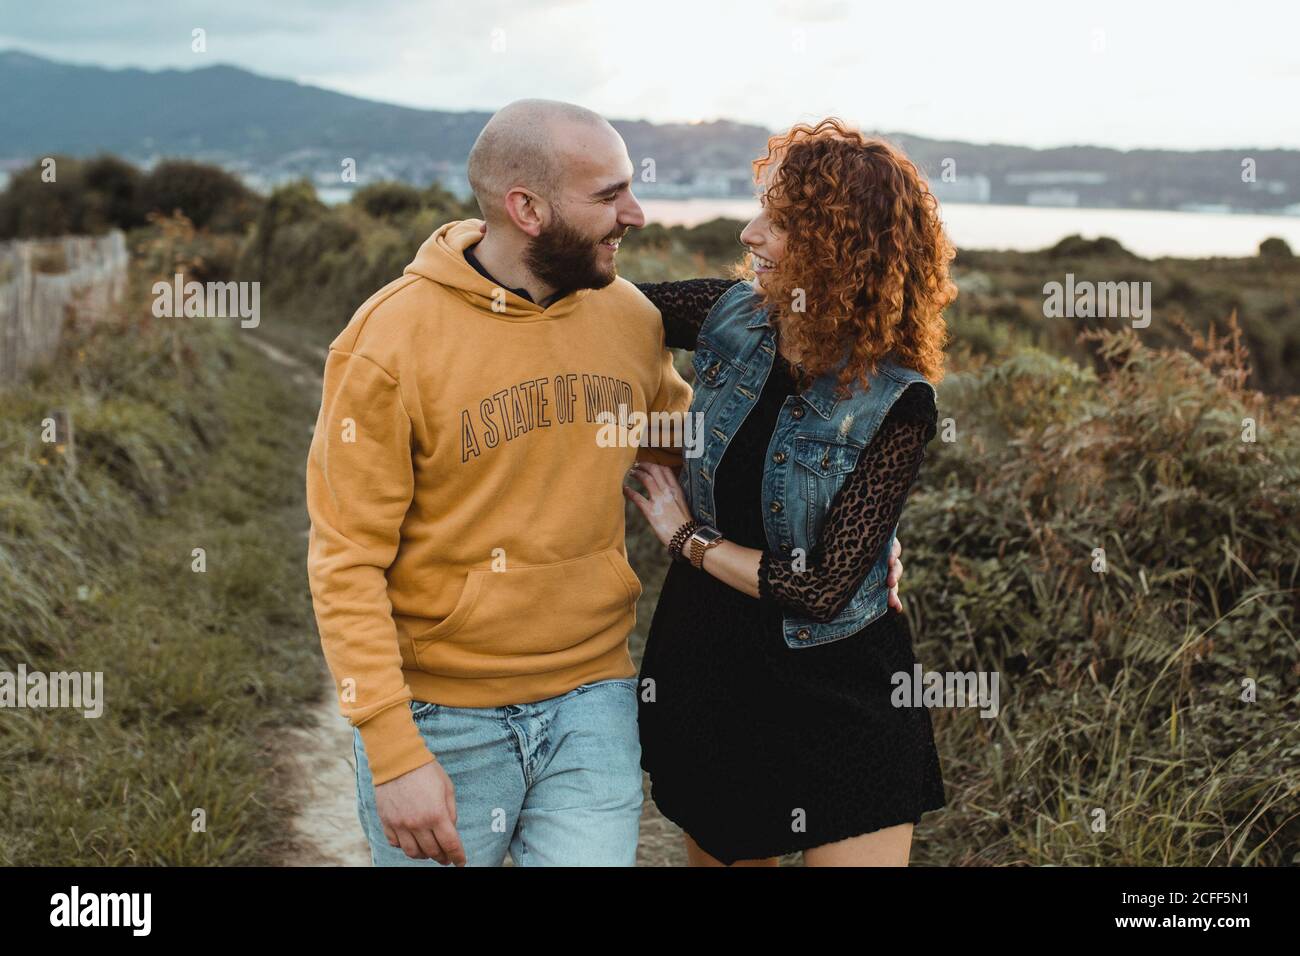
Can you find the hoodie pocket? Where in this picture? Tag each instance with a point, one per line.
(536, 609)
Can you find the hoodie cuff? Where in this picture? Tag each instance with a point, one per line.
(394, 745)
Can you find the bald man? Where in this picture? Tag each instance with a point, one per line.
(467, 561)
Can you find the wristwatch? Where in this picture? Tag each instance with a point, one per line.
(703, 538)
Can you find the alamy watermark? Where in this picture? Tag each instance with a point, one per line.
(212, 300)
(684, 430)
(946, 689)
(1102, 300)
(79, 690)
(75, 908)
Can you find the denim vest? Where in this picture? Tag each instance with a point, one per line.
(815, 446)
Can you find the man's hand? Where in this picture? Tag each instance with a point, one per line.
(895, 574)
(418, 811)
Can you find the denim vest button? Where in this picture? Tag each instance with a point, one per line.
(776, 506)
(803, 634)
(797, 411)
(779, 458)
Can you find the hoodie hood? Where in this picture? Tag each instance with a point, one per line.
(441, 259)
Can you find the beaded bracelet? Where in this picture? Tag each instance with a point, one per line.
(679, 539)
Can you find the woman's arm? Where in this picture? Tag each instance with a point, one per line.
(859, 523)
(684, 306)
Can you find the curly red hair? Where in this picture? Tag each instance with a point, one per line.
(865, 245)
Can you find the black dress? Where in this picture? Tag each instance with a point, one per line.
(754, 748)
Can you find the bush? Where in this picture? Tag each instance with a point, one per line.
(1078, 247)
(1275, 248)
(388, 200)
(208, 196)
(445, 206)
(91, 197)
(32, 207)
(113, 191)
(291, 203)
(1123, 688)
(715, 239)
(318, 263)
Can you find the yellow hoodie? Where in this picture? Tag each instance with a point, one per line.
(467, 517)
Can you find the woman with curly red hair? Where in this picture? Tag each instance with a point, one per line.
(767, 722)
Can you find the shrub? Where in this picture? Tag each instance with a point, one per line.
(388, 200)
(33, 207)
(1078, 247)
(1123, 689)
(1275, 248)
(113, 193)
(208, 196)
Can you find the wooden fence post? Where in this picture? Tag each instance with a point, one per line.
(35, 303)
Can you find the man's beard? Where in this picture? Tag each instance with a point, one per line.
(566, 260)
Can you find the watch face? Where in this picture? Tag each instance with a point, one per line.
(708, 535)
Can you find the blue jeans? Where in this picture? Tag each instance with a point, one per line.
(555, 783)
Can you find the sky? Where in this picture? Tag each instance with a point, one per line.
(1146, 73)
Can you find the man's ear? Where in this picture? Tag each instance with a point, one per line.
(524, 210)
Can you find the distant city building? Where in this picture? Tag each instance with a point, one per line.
(706, 184)
(971, 188)
(713, 184)
(1052, 197)
(7, 169)
(1056, 178)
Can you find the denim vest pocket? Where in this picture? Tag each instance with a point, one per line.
(712, 372)
(826, 458)
(824, 464)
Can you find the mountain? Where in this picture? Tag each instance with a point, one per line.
(208, 111)
(272, 129)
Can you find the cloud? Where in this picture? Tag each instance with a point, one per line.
(1211, 76)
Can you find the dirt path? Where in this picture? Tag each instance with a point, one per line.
(327, 829)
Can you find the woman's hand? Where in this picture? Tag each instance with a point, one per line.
(665, 509)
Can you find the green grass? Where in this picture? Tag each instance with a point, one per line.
(1122, 691)
(181, 444)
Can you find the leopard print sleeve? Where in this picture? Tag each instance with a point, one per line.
(861, 517)
(684, 306)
